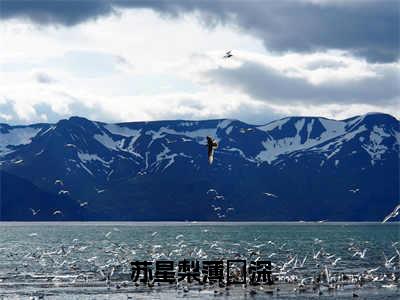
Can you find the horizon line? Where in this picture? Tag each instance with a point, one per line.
(194, 120)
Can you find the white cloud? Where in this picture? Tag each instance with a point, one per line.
(139, 66)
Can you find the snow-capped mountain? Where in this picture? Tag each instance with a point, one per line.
(296, 168)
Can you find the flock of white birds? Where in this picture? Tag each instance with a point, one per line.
(319, 271)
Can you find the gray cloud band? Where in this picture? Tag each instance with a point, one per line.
(366, 28)
(267, 84)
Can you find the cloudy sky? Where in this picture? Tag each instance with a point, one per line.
(119, 61)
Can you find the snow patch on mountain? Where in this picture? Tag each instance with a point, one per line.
(333, 146)
(86, 157)
(51, 128)
(272, 125)
(309, 128)
(81, 165)
(353, 123)
(240, 152)
(199, 135)
(164, 155)
(118, 145)
(16, 137)
(108, 142)
(275, 147)
(375, 148)
(121, 130)
(333, 128)
(224, 123)
(229, 130)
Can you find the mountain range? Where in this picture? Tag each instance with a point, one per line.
(292, 169)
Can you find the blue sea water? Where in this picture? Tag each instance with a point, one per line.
(72, 260)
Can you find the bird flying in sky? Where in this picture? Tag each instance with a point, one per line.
(228, 54)
(393, 214)
(34, 212)
(271, 195)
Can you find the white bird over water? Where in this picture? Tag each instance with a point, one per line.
(354, 190)
(304, 261)
(34, 212)
(373, 270)
(315, 255)
(57, 212)
(336, 261)
(393, 214)
(389, 262)
(361, 254)
(179, 236)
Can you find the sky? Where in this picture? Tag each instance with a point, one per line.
(121, 61)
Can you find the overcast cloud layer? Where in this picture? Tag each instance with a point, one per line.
(147, 60)
(267, 84)
(367, 28)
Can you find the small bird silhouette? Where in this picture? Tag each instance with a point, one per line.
(228, 54)
(34, 212)
(211, 144)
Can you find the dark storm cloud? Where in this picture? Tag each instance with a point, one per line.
(267, 84)
(366, 28)
(57, 12)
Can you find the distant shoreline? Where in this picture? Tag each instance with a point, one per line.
(206, 223)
